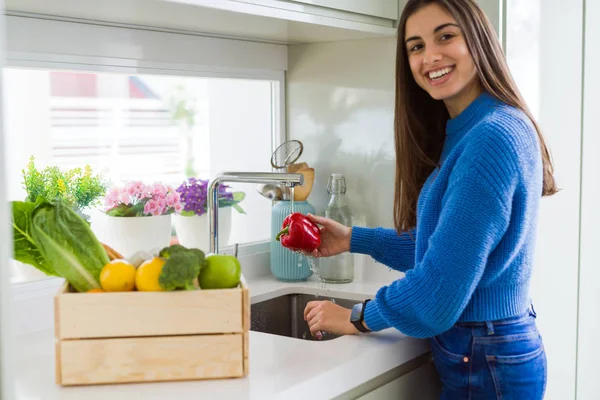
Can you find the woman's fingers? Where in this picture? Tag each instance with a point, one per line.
(312, 315)
(315, 319)
(312, 308)
(315, 327)
(309, 307)
(317, 219)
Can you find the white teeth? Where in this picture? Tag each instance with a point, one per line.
(439, 73)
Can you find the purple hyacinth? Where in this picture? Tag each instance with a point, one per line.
(194, 193)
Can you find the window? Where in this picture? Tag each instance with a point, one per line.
(145, 127)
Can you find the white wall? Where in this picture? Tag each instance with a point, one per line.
(547, 64)
(340, 105)
(588, 384)
(493, 10)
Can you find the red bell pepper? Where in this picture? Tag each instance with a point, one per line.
(299, 233)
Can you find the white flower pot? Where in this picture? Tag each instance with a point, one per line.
(25, 272)
(193, 232)
(128, 235)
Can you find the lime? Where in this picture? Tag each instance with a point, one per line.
(220, 271)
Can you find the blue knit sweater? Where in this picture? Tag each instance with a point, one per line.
(475, 233)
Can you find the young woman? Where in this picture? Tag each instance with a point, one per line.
(471, 168)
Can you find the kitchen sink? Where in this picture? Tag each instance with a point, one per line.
(284, 315)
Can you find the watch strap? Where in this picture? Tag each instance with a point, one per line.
(359, 323)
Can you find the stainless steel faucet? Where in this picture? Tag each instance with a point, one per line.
(289, 180)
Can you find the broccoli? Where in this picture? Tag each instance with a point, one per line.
(199, 254)
(168, 251)
(180, 271)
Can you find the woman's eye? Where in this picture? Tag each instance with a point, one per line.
(446, 36)
(416, 47)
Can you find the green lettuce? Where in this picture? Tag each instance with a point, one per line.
(65, 240)
(24, 247)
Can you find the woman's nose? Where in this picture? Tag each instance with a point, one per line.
(431, 56)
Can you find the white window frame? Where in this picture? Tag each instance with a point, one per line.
(42, 43)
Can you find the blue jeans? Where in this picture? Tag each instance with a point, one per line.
(502, 359)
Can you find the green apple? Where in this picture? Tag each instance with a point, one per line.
(220, 271)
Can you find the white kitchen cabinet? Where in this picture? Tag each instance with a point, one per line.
(376, 16)
(274, 21)
(378, 8)
(422, 383)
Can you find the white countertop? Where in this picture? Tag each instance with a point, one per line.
(280, 367)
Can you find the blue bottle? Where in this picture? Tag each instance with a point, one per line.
(286, 265)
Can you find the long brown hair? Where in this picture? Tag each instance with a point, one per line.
(420, 120)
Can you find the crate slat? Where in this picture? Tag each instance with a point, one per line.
(103, 315)
(246, 328)
(154, 359)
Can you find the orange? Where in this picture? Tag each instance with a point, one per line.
(118, 276)
(146, 278)
(95, 291)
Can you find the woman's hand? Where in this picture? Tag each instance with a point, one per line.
(328, 317)
(335, 237)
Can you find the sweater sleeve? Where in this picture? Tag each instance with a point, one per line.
(475, 214)
(385, 246)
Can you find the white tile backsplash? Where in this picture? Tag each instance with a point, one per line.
(341, 106)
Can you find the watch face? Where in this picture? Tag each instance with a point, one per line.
(356, 310)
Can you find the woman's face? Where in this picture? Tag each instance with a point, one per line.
(438, 55)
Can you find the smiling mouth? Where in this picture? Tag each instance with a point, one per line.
(440, 74)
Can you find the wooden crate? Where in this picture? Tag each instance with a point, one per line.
(125, 337)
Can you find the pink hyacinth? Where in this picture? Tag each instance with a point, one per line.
(158, 190)
(132, 189)
(111, 199)
(151, 207)
(172, 199)
(124, 197)
(161, 203)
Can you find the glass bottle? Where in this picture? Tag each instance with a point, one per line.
(339, 268)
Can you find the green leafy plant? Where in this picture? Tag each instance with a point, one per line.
(78, 187)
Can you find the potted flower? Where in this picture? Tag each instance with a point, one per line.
(78, 186)
(139, 216)
(192, 222)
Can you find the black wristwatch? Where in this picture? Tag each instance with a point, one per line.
(358, 315)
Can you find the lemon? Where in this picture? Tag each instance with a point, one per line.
(146, 278)
(118, 276)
